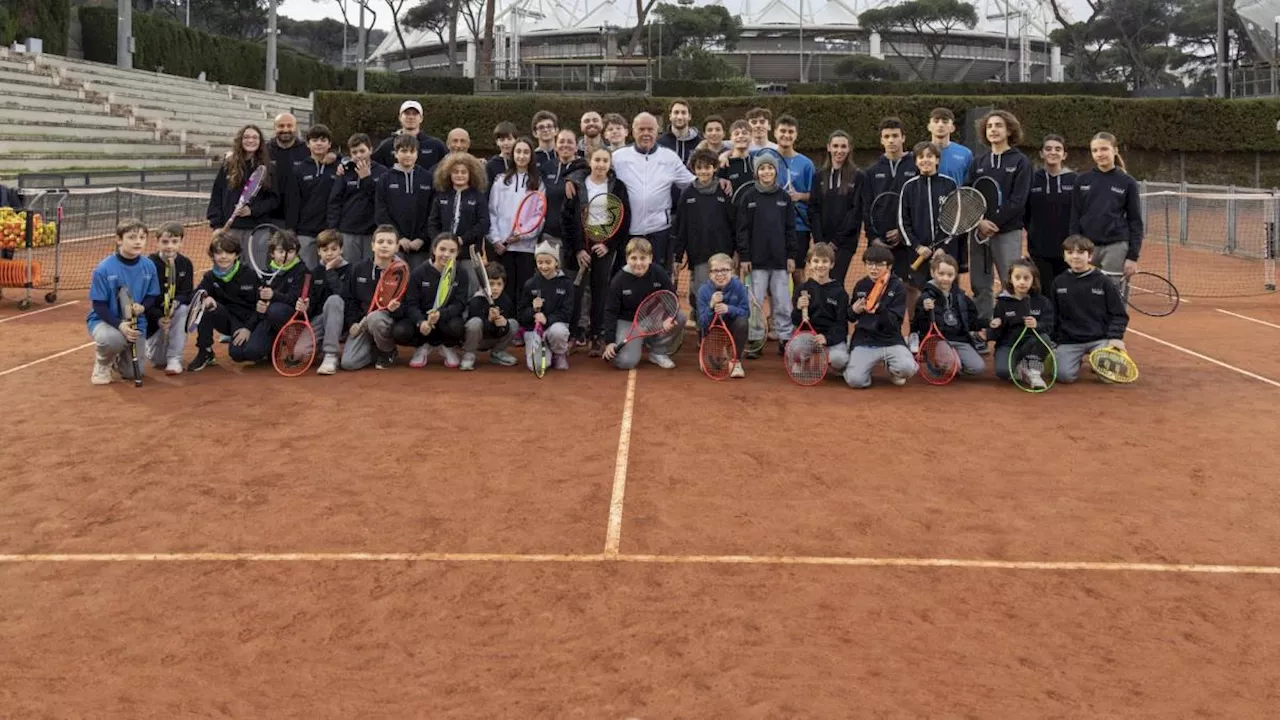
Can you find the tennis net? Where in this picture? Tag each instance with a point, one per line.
(72, 229)
(1212, 244)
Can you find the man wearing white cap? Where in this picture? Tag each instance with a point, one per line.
(430, 149)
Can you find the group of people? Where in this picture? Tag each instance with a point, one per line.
(750, 227)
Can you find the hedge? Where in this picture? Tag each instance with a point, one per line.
(972, 88)
(161, 42)
(1192, 125)
(49, 20)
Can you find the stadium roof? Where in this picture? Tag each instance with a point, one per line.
(559, 16)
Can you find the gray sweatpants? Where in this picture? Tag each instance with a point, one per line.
(777, 283)
(358, 352)
(556, 337)
(328, 324)
(111, 350)
(356, 247)
(863, 359)
(838, 357)
(699, 276)
(307, 250)
(1001, 250)
(628, 355)
(474, 340)
(1110, 257)
(1070, 355)
(165, 346)
(971, 363)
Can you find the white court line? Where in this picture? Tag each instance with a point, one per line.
(1206, 358)
(1246, 317)
(613, 536)
(872, 562)
(37, 312)
(45, 359)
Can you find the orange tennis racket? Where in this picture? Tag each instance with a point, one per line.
(877, 291)
(391, 286)
(295, 346)
(653, 313)
(717, 353)
(939, 362)
(805, 358)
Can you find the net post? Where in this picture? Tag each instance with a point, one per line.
(1183, 212)
(1272, 244)
(1230, 248)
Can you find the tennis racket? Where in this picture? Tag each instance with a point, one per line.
(444, 288)
(717, 353)
(779, 162)
(757, 328)
(541, 353)
(258, 251)
(654, 312)
(127, 314)
(993, 196)
(939, 362)
(805, 358)
(1148, 293)
(877, 292)
(171, 287)
(601, 218)
(248, 192)
(482, 275)
(1113, 365)
(962, 209)
(294, 348)
(883, 217)
(196, 313)
(529, 214)
(391, 286)
(1032, 364)
(741, 191)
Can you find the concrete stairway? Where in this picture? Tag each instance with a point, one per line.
(60, 114)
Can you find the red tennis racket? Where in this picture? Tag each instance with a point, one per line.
(295, 346)
(391, 286)
(805, 358)
(654, 312)
(939, 362)
(717, 354)
(529, 214)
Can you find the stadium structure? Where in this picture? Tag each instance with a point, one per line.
(782, 41)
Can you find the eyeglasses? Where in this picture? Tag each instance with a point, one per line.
(721, 271)
(544, 126)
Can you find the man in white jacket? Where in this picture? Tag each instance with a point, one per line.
(651, 174)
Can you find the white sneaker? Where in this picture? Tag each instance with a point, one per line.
(738, 372)
(913, 343)
(451, 359)
(329, 365)
(468, 361)
(662, 361)
(101, 373)
(1035, 380)
(173, 367)
(898, 380)
(420, 356)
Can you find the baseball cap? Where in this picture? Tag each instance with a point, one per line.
(411, 105)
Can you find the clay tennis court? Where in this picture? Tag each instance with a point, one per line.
(602, 544)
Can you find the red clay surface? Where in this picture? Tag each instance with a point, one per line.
(1176, 469)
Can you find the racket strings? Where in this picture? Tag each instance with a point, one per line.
(655, 310)
(717, 351)
(602, 217)
(1113, 365)
(939, 358)
(806, 359)
(961, 211)
(391, 285)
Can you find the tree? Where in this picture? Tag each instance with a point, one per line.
(928, 22)
(642, 13)
(244, 19)
(694, 63)
(707, 28)
(864, 68)
(395, 6)
(440, 17)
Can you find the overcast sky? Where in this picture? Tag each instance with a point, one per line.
(319, 9)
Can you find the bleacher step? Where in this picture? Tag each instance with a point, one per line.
(25, 144)
(78, 130)
(44, 162)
